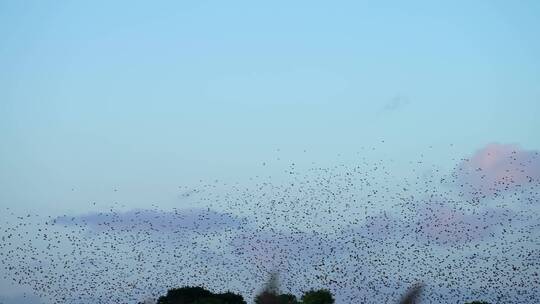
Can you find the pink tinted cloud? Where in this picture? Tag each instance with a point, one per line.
(446, 224)
(440, 221)
(498, 168)
(179, 220)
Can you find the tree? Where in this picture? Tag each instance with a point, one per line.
(210, 300)
(230, 298)
(199, 295)
(266, 297)
(321, 296)
(287, 299)
(184, 295)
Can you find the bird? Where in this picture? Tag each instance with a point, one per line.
(357, 228)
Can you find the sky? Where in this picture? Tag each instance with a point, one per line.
(131, 103)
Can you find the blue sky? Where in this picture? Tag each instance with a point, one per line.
(107, 91)
(125, 101)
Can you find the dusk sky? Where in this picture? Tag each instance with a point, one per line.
(109, 107)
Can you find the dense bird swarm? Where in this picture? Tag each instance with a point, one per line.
(366, 232)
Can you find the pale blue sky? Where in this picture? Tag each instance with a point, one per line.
(147, 96)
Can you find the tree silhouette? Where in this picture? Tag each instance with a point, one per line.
(287, 299)
(270, 298)
(266, 297)
(321, 296)
(199, 295)
(230, 298)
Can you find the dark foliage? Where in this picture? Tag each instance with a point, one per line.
(230, 298)
(287, 299)
(266, 298)
(271, 298)
(199, 295)
(321, 296)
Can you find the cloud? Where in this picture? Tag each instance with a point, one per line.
(439, 221)
(445, 224)
(497, 169)
(304, 259)
(20, 299)
(381, 226)
(184, 220)
(274, 250)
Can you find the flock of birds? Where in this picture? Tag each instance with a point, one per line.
(363, 232)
